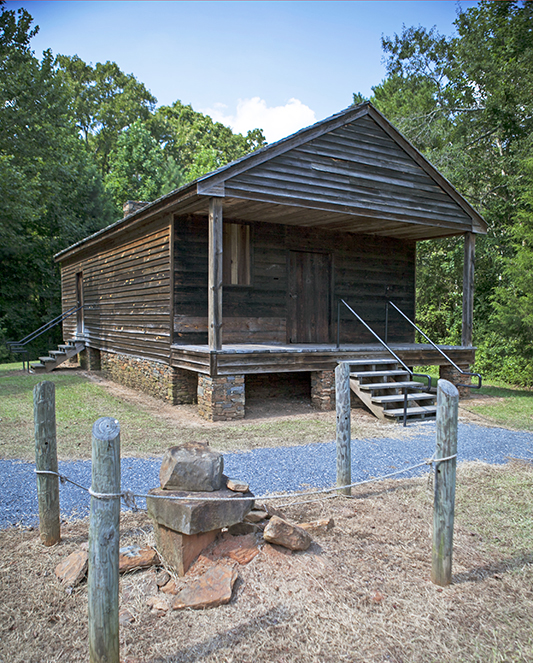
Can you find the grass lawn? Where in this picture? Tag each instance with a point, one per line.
(501, 404)
(510, 407)
(80, 402)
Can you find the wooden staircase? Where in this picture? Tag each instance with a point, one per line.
(380, 385)
(56, 357)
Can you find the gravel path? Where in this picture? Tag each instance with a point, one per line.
(279, 469)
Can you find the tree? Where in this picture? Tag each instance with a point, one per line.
(51, 195)
(194, 141)
(136, 167)
(105, 101)
(467, 103)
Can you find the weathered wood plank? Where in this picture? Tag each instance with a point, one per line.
(468, 289)
(215, 274)
(344, 427)
(44, 413)
(444, 501)
(104, 534)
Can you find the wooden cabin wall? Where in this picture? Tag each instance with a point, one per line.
(127, 280)
(363, 267)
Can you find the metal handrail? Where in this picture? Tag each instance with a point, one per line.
(49, 325)
(448, 359)
(19, 347)
(390, 350)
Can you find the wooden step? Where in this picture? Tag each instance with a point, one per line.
(427, 410)
(374, 386)
(57, 354)
(398, 398)
(47, 360)
(38, 368)
(379, 374)
(372, 362)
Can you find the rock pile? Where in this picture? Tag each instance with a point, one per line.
(183, 528)
(190, 540)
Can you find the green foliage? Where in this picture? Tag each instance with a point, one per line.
(50, 192)
(467, 103)
(136, 166)
(195, 143)
(65, 128)
(105, 101)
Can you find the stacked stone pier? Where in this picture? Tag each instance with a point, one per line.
(183, 528)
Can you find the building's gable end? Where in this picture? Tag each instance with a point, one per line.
(357, 168)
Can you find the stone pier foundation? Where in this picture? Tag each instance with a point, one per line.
(323, 390)
(448, 372)
(221, 398)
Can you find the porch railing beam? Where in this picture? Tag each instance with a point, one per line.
(468, 290)
(214, 296)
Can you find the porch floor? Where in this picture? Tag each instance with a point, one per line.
(243, 358)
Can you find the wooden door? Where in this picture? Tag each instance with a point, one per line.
(79, 303)
(309, 297)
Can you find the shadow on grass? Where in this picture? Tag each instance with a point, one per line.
(479, 573)
(225, 641)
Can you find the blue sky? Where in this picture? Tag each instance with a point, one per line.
(278, 65)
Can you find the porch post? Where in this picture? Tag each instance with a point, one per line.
(468, 289)
(214, 295)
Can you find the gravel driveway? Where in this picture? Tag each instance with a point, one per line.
(278, 469)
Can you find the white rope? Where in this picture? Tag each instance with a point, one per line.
(129, 496)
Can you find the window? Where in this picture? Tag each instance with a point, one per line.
(236, 254)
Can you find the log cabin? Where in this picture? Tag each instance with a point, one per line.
(237, 277)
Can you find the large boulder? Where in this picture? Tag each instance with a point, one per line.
(192, 467)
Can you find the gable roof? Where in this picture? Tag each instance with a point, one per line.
(352, 171)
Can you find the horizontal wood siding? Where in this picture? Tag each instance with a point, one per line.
(126, 288)
(357, 167)
(365, 270)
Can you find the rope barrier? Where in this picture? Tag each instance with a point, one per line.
(129, 496)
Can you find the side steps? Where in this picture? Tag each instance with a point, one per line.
(380, 385)
(57, 357)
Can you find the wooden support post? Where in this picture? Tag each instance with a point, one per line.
(444, 500)
(468, 290)
(215, 274)
(44, 414)
(344, 442)
(104, 532)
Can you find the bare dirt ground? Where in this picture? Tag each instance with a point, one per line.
(275, 409)
(361, 592)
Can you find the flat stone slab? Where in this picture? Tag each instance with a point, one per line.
(192, 467)
(194, 516)
(212, 589)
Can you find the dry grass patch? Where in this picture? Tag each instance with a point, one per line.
(360, 593)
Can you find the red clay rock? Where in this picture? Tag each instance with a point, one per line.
(158, 603)
(284, 534)
(255, 516)
(242, 549)
(133, 558)
(212, 589)
(237, 486)
(72, 570)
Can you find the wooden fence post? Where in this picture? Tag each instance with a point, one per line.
(104, 532)
(44, 415)
(344, 452)
(444, 500)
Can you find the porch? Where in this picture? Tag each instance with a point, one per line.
(250, 358)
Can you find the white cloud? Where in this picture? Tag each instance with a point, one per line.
(276, 122)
